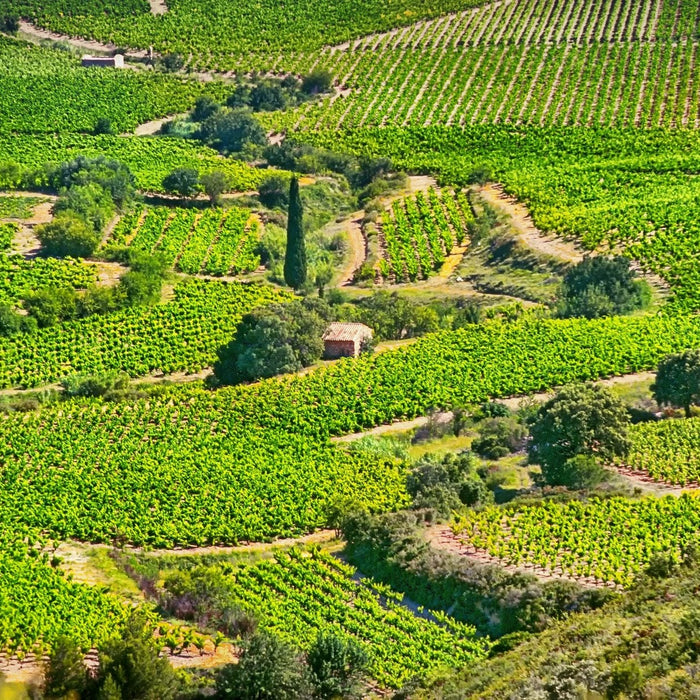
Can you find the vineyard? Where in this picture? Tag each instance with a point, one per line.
(611, 189)
(215, 242)
(38, 604)
(224, 35)
(180, 336)
(667, 450)
(19, 277)
(587, 112)
(149, 158)
(299, 595)
(18, 207)
(418, 233)
(194, 467)
(414, 79)
(608, 540)
(53, 93)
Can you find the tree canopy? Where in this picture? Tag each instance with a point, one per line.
(678, 380)
(268, 669)
(276, 339)
(295, 267)
(68, 235)
(581, 420)
(230, 131)
(602, 286)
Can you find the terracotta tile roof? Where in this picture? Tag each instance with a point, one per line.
(346, 331)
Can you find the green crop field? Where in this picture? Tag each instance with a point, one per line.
(667, 450)
(606, 540)
(299, 595)
(214, 242)
(53, 93)
(585, 112)
(178, 336)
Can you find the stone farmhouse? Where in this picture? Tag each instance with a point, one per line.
(345, 339)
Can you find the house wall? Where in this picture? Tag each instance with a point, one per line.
(341, 348)
(103, 62)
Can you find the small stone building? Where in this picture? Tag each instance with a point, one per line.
(116, 61)
(345, 339)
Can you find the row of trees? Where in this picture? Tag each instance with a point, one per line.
(187, 182)
(131, 668)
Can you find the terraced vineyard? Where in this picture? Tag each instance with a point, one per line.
(179, 336)
(38, 604)
(53, 93)
(540, 62)
(298, 595)
(19, 277)
(667, 450)
(215, 241)
(418, 233)
(142, 470)
(611, 189)
(608, 540)
(149, 158)
(223, 35)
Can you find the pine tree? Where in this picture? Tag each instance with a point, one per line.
(295, 256)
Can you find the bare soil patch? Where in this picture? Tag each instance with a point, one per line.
(529, 234)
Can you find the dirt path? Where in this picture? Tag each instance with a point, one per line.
(72, 552)
(352, 227)
(646, 484)
(26, 243)
(29, 32)
(30, 670)
(398, 427)
(441, 537)
(512, 402)
(529, 234)
(158, 7)
(153, 127)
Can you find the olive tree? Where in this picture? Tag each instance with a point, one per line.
(573, 432)
(678, 380)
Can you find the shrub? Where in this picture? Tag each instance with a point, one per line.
(68, 236)
(103, 126)
(94, 385)
(274, 192)
(337, 666)
(204, 108)
(268, 669)
(215, 184)
(90, 202)
(499, 437)
(51, 305)
(231, 131)
(319, 80)
(66, 673)
(182, 181)
(12, 323)
(602, 286)
(173, 62)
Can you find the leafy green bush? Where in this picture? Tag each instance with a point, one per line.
(68, 236)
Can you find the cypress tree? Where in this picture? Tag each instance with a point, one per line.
(295, 256)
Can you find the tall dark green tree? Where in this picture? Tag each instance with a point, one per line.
(295, 256)
(678, 381)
